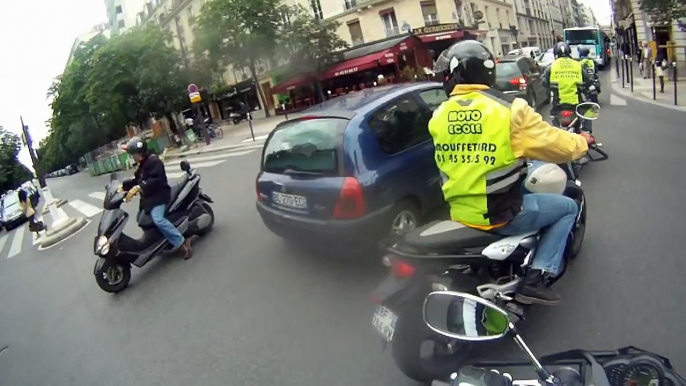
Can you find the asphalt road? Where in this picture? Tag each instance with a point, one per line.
(249, 309)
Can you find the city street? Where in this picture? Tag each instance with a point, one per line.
(250, 309)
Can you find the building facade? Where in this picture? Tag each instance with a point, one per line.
(534, 23)
(121, 14)
(84, 38)
(588, 18)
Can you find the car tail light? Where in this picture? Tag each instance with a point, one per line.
(402, 269)
(350, 201)
(566, 114)
(519, 81)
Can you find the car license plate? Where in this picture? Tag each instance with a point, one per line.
(289, 200)
(384, 321)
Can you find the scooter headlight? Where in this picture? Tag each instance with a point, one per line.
(102, 246)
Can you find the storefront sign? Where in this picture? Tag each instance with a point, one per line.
(402, 46)
(389, 58)
(432, 29)
(346, 71)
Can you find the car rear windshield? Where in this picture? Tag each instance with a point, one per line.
(305, 146)
(507, 70)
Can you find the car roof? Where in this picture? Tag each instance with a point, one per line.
(364, 101)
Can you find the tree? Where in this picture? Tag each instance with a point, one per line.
(664, 11)
(12, 172)
(310, 44)
(240, 32)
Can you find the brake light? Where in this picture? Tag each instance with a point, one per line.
(566, 113)
(402, 269)
(350, 201)
(519, 81)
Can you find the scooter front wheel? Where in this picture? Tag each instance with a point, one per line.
(113, 277)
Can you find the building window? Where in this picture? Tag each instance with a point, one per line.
(430, 13)
(349, 4)
(486, 16)
(390, 22)
(531, 26)
(355, 32)
(317, 9)
(121, 24)
(118, 9)
(507, 17)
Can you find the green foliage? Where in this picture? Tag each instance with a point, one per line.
(109, 85)
(239, 32)
(664, 10)
(12, 172)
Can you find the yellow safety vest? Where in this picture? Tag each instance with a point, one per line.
(481, 176)
(588, 62)
(566, 75)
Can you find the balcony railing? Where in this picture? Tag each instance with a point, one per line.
(358, 41)
(431, 20)
(392, 31)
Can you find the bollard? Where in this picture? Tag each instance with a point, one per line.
(654, 91)
(252, 133)
(631, 74)
(283, 106)
(623, 72)
(617, 65)
(675, 76)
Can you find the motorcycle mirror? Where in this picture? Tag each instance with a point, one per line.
(588, 110)
(185, 166)
(464, 316)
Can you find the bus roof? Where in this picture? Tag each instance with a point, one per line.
(580, 28)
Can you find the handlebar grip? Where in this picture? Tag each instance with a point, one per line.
(439, 383)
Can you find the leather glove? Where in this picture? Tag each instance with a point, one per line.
(132, 193)
(120, 189)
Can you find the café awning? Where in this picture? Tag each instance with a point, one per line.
(294, 82)
(360, 64)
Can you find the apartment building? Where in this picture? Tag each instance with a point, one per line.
(121, 14)
(588, 19)
(534, 23)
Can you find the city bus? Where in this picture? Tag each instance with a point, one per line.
(592, 38)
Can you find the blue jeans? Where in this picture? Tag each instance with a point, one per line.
(165, 226)
(540, 210)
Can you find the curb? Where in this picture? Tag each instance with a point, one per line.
(172, 157)
(55, 236)
(59, 203)
(627, 93)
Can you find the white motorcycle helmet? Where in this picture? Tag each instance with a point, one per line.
(545, 177)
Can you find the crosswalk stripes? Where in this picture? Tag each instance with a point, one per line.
(17, 242)
(210, 160)
(3, 241)
(87, 209)
(97, 195)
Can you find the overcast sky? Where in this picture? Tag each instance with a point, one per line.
(35, 39)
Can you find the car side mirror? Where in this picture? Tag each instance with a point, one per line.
(185, 166)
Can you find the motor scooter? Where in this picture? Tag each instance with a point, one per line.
(469, 318)
(188, 209)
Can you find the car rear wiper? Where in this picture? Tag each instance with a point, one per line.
(301, 172)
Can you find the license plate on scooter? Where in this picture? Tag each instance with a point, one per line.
(384, 322)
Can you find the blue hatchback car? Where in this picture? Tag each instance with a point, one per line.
(358, 167)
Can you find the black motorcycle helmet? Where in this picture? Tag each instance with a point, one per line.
(465, 62)
(562, 50)
(137, 146)
(584, 52)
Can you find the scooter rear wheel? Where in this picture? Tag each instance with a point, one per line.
(209, 211)
(113, 277)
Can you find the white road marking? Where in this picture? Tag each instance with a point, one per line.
(617, 101)
(222, 156)
(260, 138)
(17, 241)
(87, 209)
(3, 240)
(97, 195)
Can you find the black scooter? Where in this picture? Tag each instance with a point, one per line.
(188, 209)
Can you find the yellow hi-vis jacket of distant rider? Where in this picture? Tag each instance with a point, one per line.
(588, 62)
(566, 76)
(481, 138)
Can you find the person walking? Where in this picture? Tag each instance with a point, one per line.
(647, 60)
(35, 226)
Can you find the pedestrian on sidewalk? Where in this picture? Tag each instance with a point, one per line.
(26, 207)
(647, 60)
(660, 65)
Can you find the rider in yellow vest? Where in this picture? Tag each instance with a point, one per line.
(585, 60)
(481, 139)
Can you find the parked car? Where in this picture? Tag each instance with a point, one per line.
(358, 167)
(11, 214)
(523, 78)
(546, 59)
(525, 51)
(71, 169)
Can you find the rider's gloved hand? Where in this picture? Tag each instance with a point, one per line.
(590, 139)
(132, 193)
(478, 376)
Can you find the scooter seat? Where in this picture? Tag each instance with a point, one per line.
(176, 189)
(446, 235)
(145, 219)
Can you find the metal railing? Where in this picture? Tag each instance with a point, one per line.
(392, 31)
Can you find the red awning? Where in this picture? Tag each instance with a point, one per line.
(360, 64)
(450, 35)
(294, 82)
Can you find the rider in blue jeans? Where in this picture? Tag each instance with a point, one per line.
(150, 180)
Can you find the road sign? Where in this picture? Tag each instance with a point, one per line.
(192, 88)
(195, 97)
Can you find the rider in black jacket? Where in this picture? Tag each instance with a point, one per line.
(150, 180)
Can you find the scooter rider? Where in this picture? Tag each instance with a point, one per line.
(150, 180)
(481, 139)
(588, 63)
(567, 80)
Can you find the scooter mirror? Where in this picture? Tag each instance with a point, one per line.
(464, 316)
(185, 166)
(588, 110)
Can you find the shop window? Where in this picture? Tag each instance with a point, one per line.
(355, 32)
(390, 22)
(400, 125)
(316, 7)
(349, 4)
(434, 97)
(430, 13)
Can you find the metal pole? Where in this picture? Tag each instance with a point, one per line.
(34, 159)
(631, 73)
(675, 76)
(654, 91)
(623, 70)
(249, 116)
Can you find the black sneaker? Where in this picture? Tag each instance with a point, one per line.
(534, 291)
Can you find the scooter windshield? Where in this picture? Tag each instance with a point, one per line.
(113, 196)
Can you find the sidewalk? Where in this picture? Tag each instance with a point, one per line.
(234, 136)
(643, 89)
